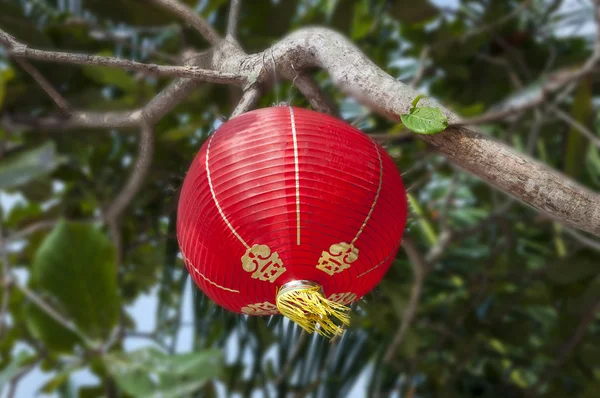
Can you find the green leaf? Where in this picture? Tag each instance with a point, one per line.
(362, 21)
(425, 120)
(57, 381)
(149, 372)
(23, 167)
(6, 75)
(582, 111)
(75, 267)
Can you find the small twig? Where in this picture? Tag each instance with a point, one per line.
(14, 383)
(18, 49)
(488, 26)
(58, 99)
(189, 16)
(136, 179)
(420, 269)
(447, 201)
(316, 97)
(436, 251)
(555, 83)
(149, 336)
(405, 134)
(234, 18)
(9, 42)
(567, 348)
(41, 304)
(31, 229)
(7, 277)
(422, 67)
(581, 238)
(249, 99)
(595, 140)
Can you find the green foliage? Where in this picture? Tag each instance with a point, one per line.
(75, 269)
(151, 373)
(23, 167)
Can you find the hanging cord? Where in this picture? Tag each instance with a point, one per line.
(291, 90)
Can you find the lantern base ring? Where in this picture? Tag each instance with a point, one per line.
(303, 302)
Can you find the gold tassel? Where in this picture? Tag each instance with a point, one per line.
(303, 303)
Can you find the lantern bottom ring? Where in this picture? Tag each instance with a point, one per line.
(303, 302)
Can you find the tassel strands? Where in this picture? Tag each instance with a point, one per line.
(303, 303)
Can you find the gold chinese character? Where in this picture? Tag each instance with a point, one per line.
(265, 308)
(342, 298)
(265, 265)
(339, 258)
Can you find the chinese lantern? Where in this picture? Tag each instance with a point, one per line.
(289, 211)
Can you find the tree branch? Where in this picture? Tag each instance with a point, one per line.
(595, 140)
(234, 18)
(189, 16)
(317, 98)
(7, 277)
(52, 313)
(248, 101)
(18, 49)
(58, 99)
(77, 119)
(518, 175)
(31, 229)
(568, 347)
(420, 270)
(136, 179)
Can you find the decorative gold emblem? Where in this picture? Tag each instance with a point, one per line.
(265, 308)
(340, 257)
(265, 265)
(342, 298)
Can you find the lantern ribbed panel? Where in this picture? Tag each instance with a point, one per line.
(330, 185)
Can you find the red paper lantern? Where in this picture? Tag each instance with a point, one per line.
(287, 210)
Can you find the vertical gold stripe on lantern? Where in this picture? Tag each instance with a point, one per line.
(214, 196)
(296, 172)
(340, 256)
(264, 264)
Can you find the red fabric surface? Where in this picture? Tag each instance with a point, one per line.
(252, 168)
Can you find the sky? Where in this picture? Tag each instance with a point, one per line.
(143, 311)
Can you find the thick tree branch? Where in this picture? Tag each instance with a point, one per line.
(234, 18)
(189, 16)
(520, 176)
